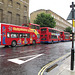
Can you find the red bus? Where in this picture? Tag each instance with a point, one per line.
(17, 35)
(65, 36)
(49, 35)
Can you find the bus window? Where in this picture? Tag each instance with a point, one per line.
(21, 35)
(33, 26)
(38, 35)
(43, 29)
(50, 30)
(41, 35)
(43, 39)
(54, 31)
(28, 35)
(37, 27)
(14, 35)
(8, 35)
(53, 37)
(61, 32)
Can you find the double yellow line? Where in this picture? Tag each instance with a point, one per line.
(51, 63)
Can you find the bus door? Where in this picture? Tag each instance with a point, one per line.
(21, 38)
(49, 37)
(28, 39)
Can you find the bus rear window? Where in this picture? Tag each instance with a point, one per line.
(43, 29)
(33, 26)
(61, 32)
(37, 27)
(43, 39)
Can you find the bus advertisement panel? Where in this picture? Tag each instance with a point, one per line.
(49, 35)
(17, 35)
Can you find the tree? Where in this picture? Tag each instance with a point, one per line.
(68, 29)
(45, 20)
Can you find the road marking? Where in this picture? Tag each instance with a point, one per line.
(19, 61)
(29, 50)
(1, 55)
(49, 64)
(26, 51)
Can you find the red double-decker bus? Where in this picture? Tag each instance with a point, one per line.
(49, 35)
(18, 35)
(65, 36)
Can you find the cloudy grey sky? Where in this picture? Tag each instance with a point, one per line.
(60, 7)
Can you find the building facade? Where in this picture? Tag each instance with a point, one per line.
(61, 23)
(14, 11)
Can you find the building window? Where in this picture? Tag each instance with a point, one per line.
(25, 19)
(9, 17)
(10, 2)
(1, 15)
(17, 19)
(18, 5)
(25, 8)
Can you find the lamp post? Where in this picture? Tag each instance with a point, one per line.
(72, 50)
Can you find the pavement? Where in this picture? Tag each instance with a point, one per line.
(1, 45)
(60, 66)
(63, 69)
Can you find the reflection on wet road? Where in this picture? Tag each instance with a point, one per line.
(28, 60)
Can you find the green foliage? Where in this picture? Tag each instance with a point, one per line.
(45, 20)
(68, 29)
(28, 20)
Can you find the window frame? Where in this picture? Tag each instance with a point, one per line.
(14, 33)
(7, 35)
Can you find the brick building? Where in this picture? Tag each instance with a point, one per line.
(14, 11)
(61, 23)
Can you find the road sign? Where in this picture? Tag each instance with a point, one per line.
(70, 16)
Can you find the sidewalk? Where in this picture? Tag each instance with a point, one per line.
(64, 68)
(1, 46)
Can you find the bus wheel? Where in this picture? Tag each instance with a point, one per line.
(13, 44)
(34, 42)
(6, 45)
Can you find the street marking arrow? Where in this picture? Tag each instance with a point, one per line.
(19, 61)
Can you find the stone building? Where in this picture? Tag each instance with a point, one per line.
(14, 11)
(61, 23)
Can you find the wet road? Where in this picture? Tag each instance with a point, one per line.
(28, 60)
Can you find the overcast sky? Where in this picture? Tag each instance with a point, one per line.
(60, 7)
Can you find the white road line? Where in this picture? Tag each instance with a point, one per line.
(26, 57)
(19, 61)
(1, 55)
(29, 50)
(26, 51)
